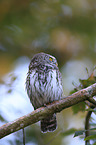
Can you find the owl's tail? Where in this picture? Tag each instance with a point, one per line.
(49, 124)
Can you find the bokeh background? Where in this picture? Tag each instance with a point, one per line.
(65, 29)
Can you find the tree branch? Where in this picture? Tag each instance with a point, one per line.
(92, 105)
(87, 126)
(43, 112)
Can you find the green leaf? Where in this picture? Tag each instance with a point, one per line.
(80, 132)
(90, 109)
(2, 119)
(69, 131)
(90, 137)
(92, 129)
(78, 107)
(9, 91)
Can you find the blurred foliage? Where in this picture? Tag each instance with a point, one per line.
(83, 84)
(91, 80)
(78, 107)
(2, 119)
(82, 106)
(65, 29)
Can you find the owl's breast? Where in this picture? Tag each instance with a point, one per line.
(45, 87)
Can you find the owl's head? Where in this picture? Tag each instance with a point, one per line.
(44, 59)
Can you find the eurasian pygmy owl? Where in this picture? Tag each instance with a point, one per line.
(44, 85)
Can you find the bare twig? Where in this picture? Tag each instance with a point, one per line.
(91, 100)
(87, 126)
(23, 136)
(42, 112)
(91, 104)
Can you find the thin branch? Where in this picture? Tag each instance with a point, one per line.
(91, 100)
(87, 125)
(23, 136)
(91, 104)
(42, 112)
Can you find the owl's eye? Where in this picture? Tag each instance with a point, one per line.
(50, 58)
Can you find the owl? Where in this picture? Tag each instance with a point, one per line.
(44, 85)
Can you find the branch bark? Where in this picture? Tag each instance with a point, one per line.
(42, 112)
